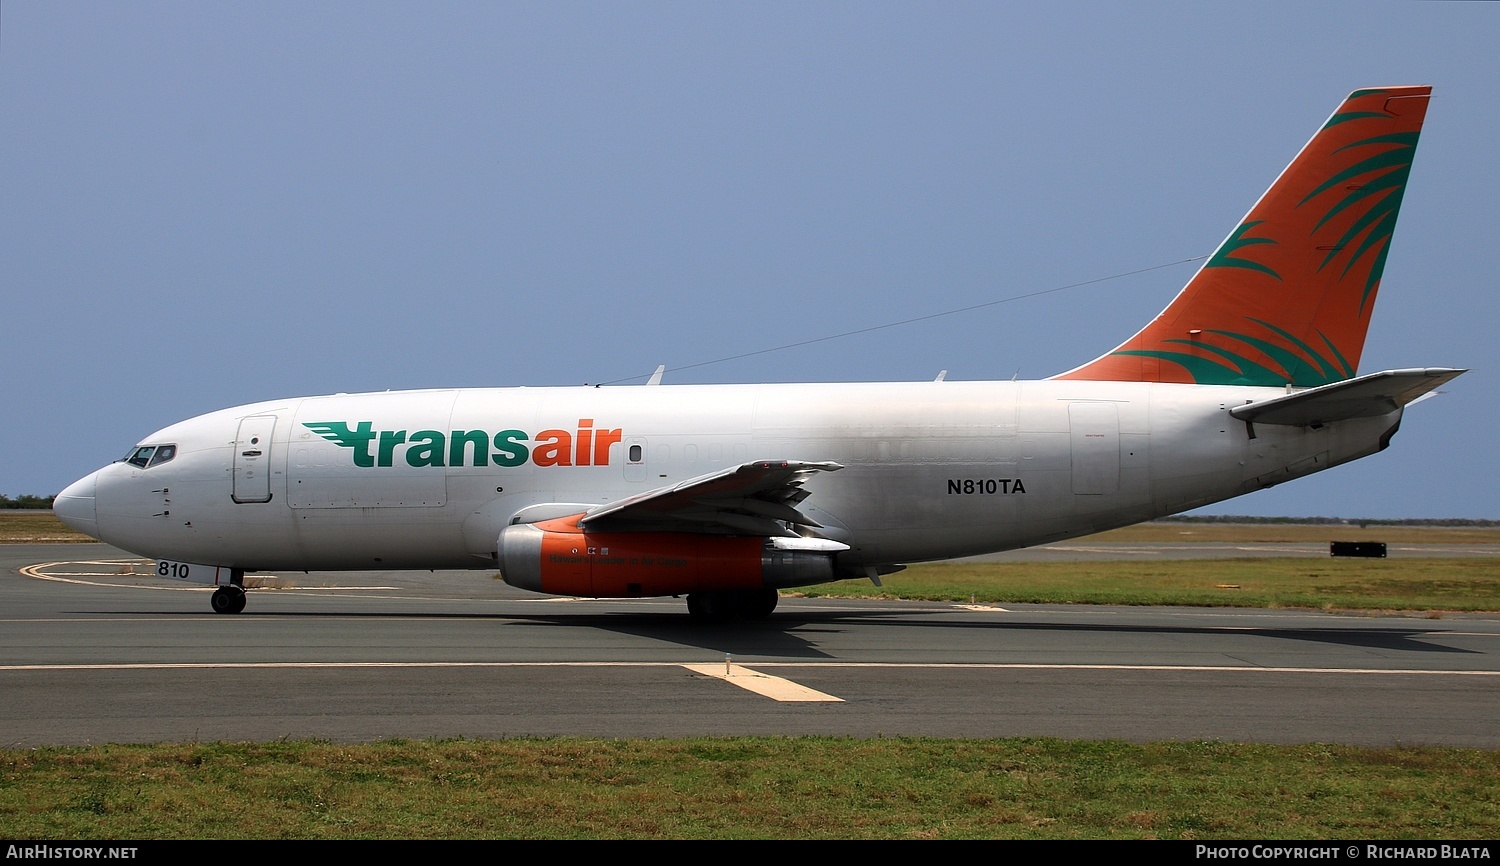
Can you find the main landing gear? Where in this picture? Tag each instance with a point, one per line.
(228, 599)
(724, 606)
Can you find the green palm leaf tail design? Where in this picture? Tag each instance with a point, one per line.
(1376, 181)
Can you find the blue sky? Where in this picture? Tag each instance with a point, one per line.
(209, 204)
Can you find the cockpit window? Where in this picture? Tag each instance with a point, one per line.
(151, 455)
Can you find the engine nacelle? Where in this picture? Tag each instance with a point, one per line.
(559, 557)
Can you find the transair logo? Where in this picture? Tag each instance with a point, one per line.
(372, 448)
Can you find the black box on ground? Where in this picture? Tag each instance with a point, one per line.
(1357, 548)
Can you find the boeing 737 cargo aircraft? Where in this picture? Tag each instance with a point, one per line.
(727, 493)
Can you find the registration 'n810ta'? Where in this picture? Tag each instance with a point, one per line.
(985, 486)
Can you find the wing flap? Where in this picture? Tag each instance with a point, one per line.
(1361, 397)
(753, 498)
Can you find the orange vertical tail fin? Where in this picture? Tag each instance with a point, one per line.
(1286, 298)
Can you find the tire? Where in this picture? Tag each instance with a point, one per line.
(724, 606)
(710, 606)
(228, 599)
(758, 603)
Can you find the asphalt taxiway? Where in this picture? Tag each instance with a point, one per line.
(93, 650)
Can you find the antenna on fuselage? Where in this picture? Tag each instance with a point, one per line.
(656, 377)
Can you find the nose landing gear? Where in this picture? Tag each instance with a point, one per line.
(228, 599)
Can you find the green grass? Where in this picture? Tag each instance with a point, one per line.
(752, 788)
(27, 526)
(1433, 585)
(1159, 531)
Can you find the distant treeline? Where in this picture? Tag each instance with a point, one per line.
(26, 501)
(1338, 521)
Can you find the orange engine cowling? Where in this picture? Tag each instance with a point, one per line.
(561, 558)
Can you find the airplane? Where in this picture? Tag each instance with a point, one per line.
(729, 493)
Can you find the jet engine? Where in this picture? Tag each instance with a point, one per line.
(563, 558)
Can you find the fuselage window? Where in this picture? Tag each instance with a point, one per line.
(635, 454)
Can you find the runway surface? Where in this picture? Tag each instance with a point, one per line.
(92, 651)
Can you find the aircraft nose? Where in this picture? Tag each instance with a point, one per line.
(75, 505)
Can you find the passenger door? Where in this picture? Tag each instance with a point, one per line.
(252, 459)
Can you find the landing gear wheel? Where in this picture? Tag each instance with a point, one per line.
(228, 599)
(725, 606)
(758, 603)
(710, 606)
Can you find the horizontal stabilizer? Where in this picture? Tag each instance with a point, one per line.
(1362, 397)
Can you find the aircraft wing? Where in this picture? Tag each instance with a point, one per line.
(753, 498)
(1361, 397)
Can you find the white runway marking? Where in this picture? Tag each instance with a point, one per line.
(775, 688)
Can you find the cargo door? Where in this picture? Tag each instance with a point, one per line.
(1096, 447)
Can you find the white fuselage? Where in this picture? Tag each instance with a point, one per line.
(932, 470)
